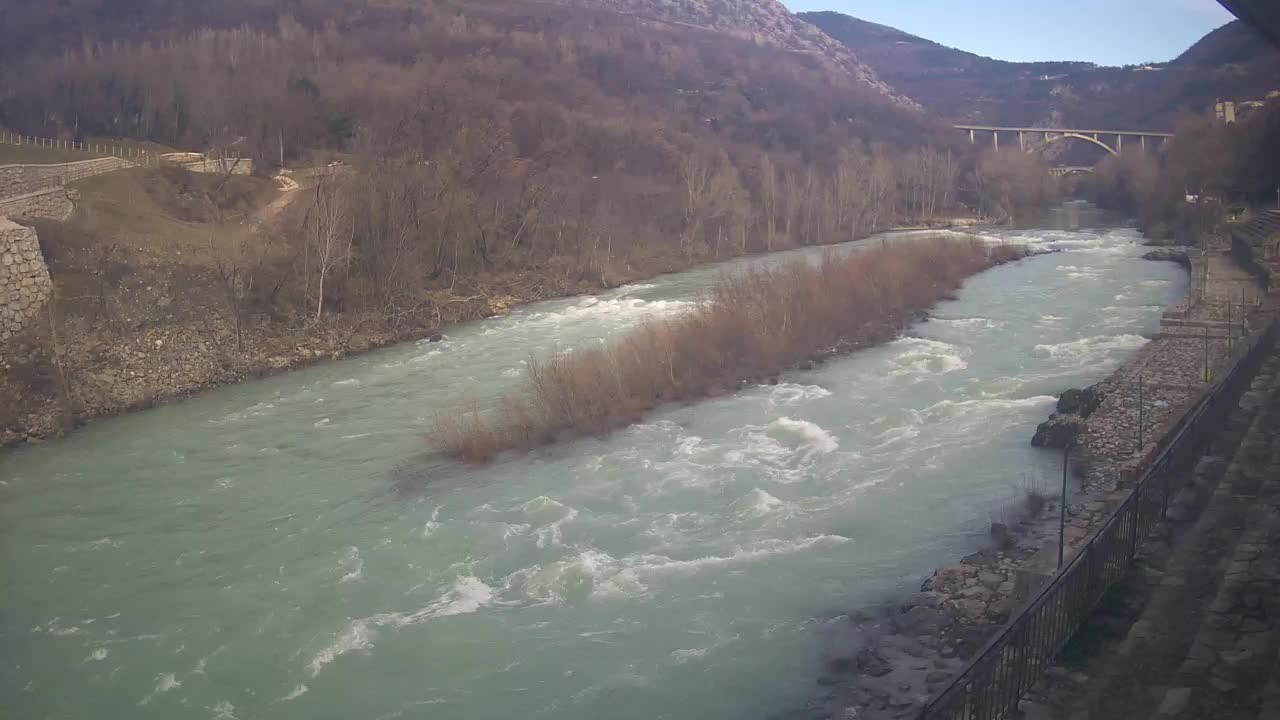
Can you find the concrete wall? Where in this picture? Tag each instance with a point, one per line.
(24, 179)
(24, 279)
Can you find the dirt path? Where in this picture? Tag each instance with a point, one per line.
(268, 213)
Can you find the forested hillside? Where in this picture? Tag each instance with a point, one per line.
(1233, 63)
(488, 152)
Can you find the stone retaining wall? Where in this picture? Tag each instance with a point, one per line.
(24, 278)
(53, 203)
(25, 179)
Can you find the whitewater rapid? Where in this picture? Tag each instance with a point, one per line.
(291, 548)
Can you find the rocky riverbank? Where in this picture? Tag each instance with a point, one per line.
(165, 349)
(156, 340)
(889, 661)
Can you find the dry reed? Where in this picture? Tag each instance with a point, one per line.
(754, 325)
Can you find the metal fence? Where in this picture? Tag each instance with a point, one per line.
(134, 153)
(993, 682)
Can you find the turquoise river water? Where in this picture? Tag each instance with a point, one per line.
(289, 548)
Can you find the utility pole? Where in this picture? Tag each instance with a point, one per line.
(1230, 326)
(1206, 354)
(1141, 416)
(1062, 510)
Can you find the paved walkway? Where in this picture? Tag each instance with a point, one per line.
(1200, 619)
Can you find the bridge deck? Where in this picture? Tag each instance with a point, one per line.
(1128, 133)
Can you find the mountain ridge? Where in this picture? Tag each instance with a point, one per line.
(760, 21)
(1231, 62)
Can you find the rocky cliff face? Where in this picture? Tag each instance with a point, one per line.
(765, 22)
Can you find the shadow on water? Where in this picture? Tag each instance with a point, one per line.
(415, 476)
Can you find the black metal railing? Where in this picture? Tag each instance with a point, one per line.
(997, 677)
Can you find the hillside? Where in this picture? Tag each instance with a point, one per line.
(1232, 62)
(488, 152)
(1234, 42)
(758, 21)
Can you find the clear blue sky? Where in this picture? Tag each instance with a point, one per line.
(1107, 32)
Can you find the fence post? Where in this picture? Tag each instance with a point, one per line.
(1206, 353)
(1062, 511)
(1137, 521)
(1141, 416)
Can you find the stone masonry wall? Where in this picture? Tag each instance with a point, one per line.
(25, 179)
(24, 278)
(54, 203)
(234, 166)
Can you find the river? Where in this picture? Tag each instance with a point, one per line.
(288, 548)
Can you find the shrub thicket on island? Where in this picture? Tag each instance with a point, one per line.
(754, 324)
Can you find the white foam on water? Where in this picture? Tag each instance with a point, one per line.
(552, 533)
(786, 449)
(98, 655)
(1091, 350)
(818, 439)
(612, 313)
(351, 565)
(794, 394)
(55, 628)
(468, 595)
(223, 710)
(964, 415)
(762, 503)
(896, 435)
(164, 683)
(253, 411)
(683, 656)
(512, 373)
(357, 636)
(605, 577)
(1078, 272)
(296, 693)
(973, 323)
(652, 564)
(347, 382)
(105, 542)
(921, 356)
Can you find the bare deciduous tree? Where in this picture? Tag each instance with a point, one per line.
(329, 232)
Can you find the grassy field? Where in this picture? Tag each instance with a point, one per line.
(37, 155)
(33, 155)
(165, 214)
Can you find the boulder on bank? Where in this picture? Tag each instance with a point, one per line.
(869, 661)
(1059, 431)
(1170, 254)
(1080, 402)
